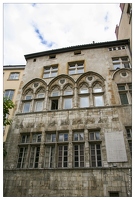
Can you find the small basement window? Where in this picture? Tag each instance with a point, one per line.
(77, 52)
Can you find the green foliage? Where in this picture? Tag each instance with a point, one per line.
(7, 105)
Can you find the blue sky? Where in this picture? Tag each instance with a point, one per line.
(33, 27)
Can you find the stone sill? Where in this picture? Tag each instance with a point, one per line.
(74, 169)
(74, 109)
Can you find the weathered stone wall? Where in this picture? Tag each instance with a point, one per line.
(66, 183)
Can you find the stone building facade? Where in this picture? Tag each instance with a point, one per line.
(72, 128)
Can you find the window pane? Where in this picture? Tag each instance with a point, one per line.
(84, 102)
(68, 92)
(80, 70)
(60, 137)
(91, 136)
(9, 94)
(97, 135)
(46, 75)
(81, 136)
(53, 137)
(97, 90)
(116, 65)
(123, 98)
(67, 103)
(121, 87)
(66, 137)
(99, 101)
(55, 93)
(39, 106)
(53, 74)
(54, 105)
(76, 137)
(28, 97)
(26, 107)
(72, 71)
(40, 95)
(126, 65)
(83, 90)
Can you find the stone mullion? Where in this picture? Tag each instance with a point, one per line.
(70, 151)
(56, 151)
(86, 149)
(75, 96)
(46, 100)
(91, 97)
(60, 101)
(42, 152)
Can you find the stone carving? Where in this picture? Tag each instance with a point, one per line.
(36, 84)
(77, 121)
(102, 120)
(65, 122)
(62, 80)
(90, 120)
(52, 123)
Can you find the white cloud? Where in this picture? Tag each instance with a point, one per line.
(62, 25)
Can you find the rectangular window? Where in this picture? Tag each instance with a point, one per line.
(95, 153)
(25, 139)
(78, 136)
(63, 137)
(40, 95)
(63, 156)
(129, 137)
(28, 97)
(50, 71)
(129, 132)
(26, 107)
(39, 106)
(121, 62)
(9, 94)
(54, 104)
(94, 135)
(98, 100)
(84, 102)
(36, 137)
(125, 91)
(49, 156)
(50, 137)
(22, 157)
(123, 98)
(14, 75)
(76, 68)
(79, 155)
(67, 103)
(34, 156)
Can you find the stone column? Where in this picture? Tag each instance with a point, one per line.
(70, 147)
(75, 97)
(91, 97)
(87, 153)
(46, 104)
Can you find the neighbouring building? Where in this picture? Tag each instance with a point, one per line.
(12, 76)
(124, 30)
(72, 129)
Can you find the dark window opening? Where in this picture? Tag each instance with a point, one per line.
(114, 194)
(34, 60)
(54, 105)
(52, 56)
(77, 52)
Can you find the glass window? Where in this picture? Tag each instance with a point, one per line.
(14, 75)
(51, 137)
(50, 71)
(54, 104)
(28, 97)
(94, 135)
(49, 156)
(39, 106)
(99, 101)
(67, 103)
(25, 139)
(78, 136)
(9, 94)
(63, 156)
(26, 107)
(63, 137)
(76, 68)
(84, 102)
(123, 98)
(40, 95)
(95, 153)
(83, 90)
(22, 157)
(79, 155)
(34, 156)
(36, 137)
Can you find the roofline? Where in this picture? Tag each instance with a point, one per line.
(14, 66)
(78, 47)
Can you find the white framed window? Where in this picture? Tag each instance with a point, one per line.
(25, 138)
(76, 68)
(84, 101)
(94, 135)
(49, 156)
(79, 155)
(67, 103)
(98, 100)
(68, 91)
(40, 95)
(39, 106)
(34, 156)
(78, 136)
(50, 71)
(9, 94)
(23, 151)
(63, 156)
(125, 93)
(95, 155)
(63, 137)
(51, 137)
(27, 97)
(83, 90)
(36, 137)
(26, 107)
(121, 62)
(14, 75)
